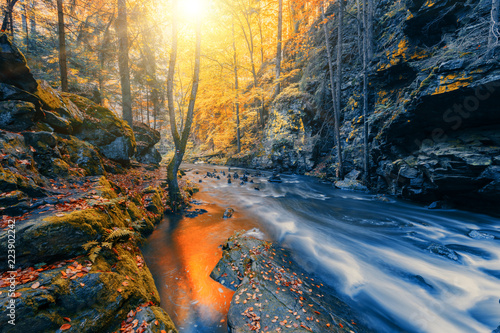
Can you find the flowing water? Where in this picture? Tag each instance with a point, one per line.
(404, 267)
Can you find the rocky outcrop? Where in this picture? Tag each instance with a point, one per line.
(433, 117)
(272, 293)
(289, 135)
(146, 139)
(13, 67)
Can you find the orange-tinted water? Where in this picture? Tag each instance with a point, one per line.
(181, 253)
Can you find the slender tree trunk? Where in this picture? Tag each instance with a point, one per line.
(332, 90)
(180, 140)
(261, 35)
(278, 47)
(8, 23)
(236, 87)
(33, 19)
(147, 108)
(370, 13)
(359, 19)
(25, 26)
(366, 42)
(156, 104)
(340, 43)
(121, 23)
(494, 31)
(62, 46)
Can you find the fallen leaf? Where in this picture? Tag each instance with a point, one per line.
(67, 319)
(65, 327)
(35, 285)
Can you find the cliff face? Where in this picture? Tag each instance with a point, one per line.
(434, 115)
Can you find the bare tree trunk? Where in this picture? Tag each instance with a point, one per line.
(359, 25)
(332, 90)
(370, 13)
(494, 31)
(62, 46)
(8, 23)
(25, 26)
(278, 48)
(33, 19)
(261, 35)
(236, 87)
(180, 141)
(121, 24)
(366, 43)
(340, 42)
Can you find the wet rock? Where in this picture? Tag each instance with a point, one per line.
(350, 184)
(480, 235)
(275, 178)
(443, 251)
(195, 213)
(16, 116)
(354, 175)
(272, 292)
(13, 67)
(228, 213)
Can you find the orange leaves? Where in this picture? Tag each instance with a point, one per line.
(65, 327)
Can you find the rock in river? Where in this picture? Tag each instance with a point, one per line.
(273, 293)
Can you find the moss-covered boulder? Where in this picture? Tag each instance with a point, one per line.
(102, 128)
(13, 67)
(60, 113)
(81, 154)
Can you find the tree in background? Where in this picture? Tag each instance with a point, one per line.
(121, 24)
(62, 46)
(278, 47)
(180, 138)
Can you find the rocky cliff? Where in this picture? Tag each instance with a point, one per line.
(434, 115)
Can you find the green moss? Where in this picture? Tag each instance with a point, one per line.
(102, 116)
(91, 221)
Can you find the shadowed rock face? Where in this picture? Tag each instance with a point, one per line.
(273, 292)
(13, 67)
(146, 139)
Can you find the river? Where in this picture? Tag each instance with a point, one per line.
(404, 267)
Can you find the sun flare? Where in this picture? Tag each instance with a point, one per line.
(192, 8)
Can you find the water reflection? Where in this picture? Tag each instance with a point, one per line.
(181, 253)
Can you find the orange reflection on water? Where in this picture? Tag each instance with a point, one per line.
(197, 241)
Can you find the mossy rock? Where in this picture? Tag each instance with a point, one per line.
(82, 155)
(64, 108)
(111, 135)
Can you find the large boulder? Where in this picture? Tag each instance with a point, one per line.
(273, 293)
(13, 67)
(60, 112)
(16, 116)
(146, 139)
(111, 135)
